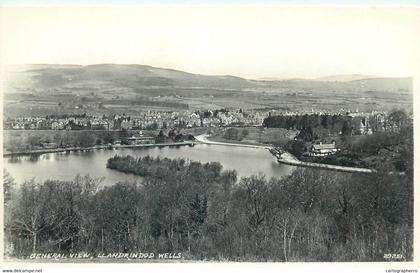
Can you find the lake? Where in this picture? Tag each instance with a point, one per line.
(64, 166)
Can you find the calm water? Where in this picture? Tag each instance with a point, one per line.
(246, 161)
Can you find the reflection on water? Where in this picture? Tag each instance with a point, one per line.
(14, 159)
(34, 157)
(65, 165)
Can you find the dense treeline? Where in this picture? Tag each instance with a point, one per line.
(390, 146)
(203, 212)
(15, 141)
(316, 126)
(25, 141)
(333, 123)
(391, 151)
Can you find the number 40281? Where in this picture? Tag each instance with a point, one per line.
(393, 256)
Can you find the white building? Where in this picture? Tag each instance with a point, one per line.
(323, 149)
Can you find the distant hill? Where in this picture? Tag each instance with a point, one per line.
(132, 78)
(344, 78)
(112, 75)
(389, 85)
(45, 89)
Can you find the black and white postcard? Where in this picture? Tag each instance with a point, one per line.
(153, 134)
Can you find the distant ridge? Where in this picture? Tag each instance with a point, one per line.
(330, 78)
(345, 78)
(135, 78)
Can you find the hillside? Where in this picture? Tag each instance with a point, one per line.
(344, 78)
(93, 77)
(108, 76)
(392, 85)
(109, 88)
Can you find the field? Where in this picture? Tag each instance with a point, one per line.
(254, 135)
(98, 105)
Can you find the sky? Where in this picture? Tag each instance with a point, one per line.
(246, 41)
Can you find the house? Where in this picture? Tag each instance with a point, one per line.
(98, 125)
(57, 125)
(50, 145)
(365, 126)
(323, 149)
(126, 124)
(135, 140)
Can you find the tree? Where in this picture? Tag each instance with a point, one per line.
(8, 187)
(57, 138)
(307, 134)
(29, 218)
(252, 195)
(355, 125)
(33, 141)
(160, 138)
(179, 137)
(232, 133)
(206, 114)
(152, 127)
(171, 134)
(296, 147)
(197, 208)
(8, 184)
(245, 133)
(398, 118)
(86, 139)
(346, 130)
(117, 216)
(108, 138)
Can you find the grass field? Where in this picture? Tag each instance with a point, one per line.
(39, 90)
(257, 135)
(98, 104)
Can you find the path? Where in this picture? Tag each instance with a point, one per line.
(99, 147)
(204, 139)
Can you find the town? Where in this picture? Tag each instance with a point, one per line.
(319, 137)
(152, 120)
(184, 133)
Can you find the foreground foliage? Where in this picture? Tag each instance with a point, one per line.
(202, 211)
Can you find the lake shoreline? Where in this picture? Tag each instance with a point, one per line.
(283, 158)
(289, 159)
(99, 147)
(204, 139)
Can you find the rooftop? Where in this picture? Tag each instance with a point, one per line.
(323, 146)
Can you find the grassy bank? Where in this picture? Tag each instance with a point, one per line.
(26, 140)
(253, 136)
